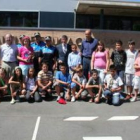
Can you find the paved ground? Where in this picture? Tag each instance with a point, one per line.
(19, 121)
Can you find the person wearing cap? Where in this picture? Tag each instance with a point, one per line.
(63, 51)
(49, 54)
(25, 56)
(89, 45)
(21, 41)
(37, 45)
(8, 53)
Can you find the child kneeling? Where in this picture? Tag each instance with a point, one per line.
(17, 85)
(113, 86)
(94, 87)
(63, 82)
(78, 84)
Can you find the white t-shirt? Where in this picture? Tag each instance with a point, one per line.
(30, 83)
(113, 82)
(82, 80)
(131, 56)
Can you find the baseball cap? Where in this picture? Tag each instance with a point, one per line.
(36, 34)
(48, 38)
(61, 101)
(21, 36)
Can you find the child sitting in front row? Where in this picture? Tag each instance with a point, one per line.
(113, 87)
(78, 84)
(17, 85)
(45, 79)
(31, 86)
(3, 83)
(63, 82)
(94, 87)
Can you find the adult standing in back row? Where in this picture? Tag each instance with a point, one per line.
(9, 53)
(88, 47)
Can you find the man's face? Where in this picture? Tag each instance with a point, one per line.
(37, 39)
(63, 40)
(88, 35)
(8, 39)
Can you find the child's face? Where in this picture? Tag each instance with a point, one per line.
(74, 48)
(63, 69)
(45, 68)
(18, 72)
(118, 47)
(31, 72)
(94, 75)
(131, 46)
(2, 74)
(100, 47)
(113, 72)
(80, 73)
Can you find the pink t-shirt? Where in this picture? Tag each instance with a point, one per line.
(100, 59)
(24, 54)
(137, 71)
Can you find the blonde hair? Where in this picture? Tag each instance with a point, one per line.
(79, 68)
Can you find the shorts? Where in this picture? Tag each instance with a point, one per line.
(129, 79)
(136, 82)
(84, 92)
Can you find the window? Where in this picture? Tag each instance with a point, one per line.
(19, 19)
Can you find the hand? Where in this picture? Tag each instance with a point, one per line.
(105, 71)
(68, 85)
(31, 93)
(112, 90)
(54, 67)
(60, 61)
(44, 87)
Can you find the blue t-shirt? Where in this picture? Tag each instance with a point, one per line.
(63, 77)
(48, 54)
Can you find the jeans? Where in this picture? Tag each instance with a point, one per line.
(114, 96)
(86, 66)
(36, 95)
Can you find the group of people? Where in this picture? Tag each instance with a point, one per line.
(33, 69)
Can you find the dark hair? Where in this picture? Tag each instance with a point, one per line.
(102, 44)
(119, 42)
(93, 71)
(62, 65)
(3, 70)
(34, 76)
(112, 67)
(44, 63)
(15, 76)
(131, 42)
(65, 37)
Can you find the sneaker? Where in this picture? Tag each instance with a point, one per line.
(58, 98)
(12, 101)
(133, 99)
(73, 99)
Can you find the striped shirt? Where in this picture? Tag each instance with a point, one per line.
(45, 77)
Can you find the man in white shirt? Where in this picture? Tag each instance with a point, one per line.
(8, 53)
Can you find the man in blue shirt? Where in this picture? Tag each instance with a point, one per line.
(88, 47)
(37, 45)
(49, 54)
(21, 42)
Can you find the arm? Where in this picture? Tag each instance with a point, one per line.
(92, 61)
(92, 86)
(13, 82)
(112, 57)
(108, 61)
(20, 58)
(74, 80)
(116, 89)
(61, 82)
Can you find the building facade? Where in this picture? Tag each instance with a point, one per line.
(80, 14)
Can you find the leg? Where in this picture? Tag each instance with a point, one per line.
(28, 96)
(37, 97)
(68, 97)
(86, 67)
(116, 99)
